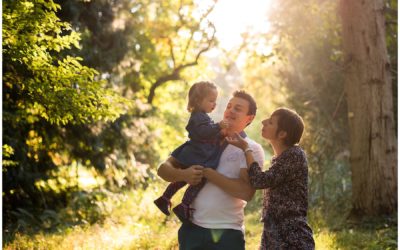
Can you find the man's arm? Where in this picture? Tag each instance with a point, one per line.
(239, 188)
(191, 175)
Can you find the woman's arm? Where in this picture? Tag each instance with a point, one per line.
(241, 143)
(283, 170)
(287, 168)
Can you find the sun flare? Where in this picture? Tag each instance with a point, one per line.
(232, 18)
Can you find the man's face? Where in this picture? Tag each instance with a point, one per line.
(236, 114)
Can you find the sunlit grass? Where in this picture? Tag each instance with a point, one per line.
(253, 229)
(135, 223)
(325, 240)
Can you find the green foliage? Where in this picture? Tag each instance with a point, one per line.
(86, 202)
(68, 114)
(29, 222)
(44, 90)
(145, 51)
(8, 151)
(148, 43)
(59, 90)
(90, 207)
(332, 230)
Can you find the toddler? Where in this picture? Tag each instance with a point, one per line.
(202, 148)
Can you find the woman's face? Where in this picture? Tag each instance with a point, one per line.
(270, 126)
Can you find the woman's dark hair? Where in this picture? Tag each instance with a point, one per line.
(290, 122)
(197, 93)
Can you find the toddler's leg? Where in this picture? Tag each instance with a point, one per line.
(163, 202)
(192, 191)
(183, 210)
(174, 186)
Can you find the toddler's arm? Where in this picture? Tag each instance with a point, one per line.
(204, 127)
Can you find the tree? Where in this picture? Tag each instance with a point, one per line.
(298, 64)
(139, 47)
(369, 95)
(391, 42)
(148, 43)
(44, 90)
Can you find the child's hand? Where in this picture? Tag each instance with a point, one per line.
(237, 141)
(223, 132)
(224, 124)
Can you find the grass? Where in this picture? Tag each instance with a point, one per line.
(333, 230)
(135, 223)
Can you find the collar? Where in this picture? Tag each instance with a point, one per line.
(243, 134)
(225, 143)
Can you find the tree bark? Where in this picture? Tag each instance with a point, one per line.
(369, 97)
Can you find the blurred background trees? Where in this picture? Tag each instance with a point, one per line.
(302, 59)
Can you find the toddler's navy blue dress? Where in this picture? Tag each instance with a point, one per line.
(202, 148)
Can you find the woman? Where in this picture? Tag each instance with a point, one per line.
(285, 183)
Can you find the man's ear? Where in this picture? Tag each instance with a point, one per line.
(250, 119)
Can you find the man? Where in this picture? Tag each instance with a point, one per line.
(219, 207)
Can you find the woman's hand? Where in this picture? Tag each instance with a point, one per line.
(237, 141)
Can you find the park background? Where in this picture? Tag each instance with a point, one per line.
(94, 96)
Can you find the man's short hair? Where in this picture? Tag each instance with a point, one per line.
(290, 122)
(252, 103)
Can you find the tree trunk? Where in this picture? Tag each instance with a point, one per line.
(369, 96)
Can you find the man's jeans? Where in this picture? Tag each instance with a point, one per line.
(193, 237)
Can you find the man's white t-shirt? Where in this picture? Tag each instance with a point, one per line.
(214, 208)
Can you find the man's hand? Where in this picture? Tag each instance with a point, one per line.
(193, 174)
(170, 173)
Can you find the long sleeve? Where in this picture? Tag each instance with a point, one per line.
(202, 127)
(283, 169)
(285, 201)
